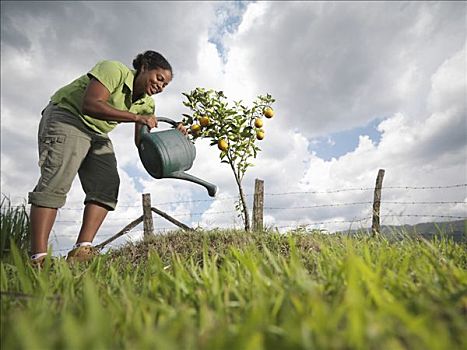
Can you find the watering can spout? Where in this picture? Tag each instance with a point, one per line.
(212, 189)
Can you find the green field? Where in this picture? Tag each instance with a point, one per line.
(231, 290)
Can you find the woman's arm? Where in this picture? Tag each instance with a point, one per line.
(95, 105)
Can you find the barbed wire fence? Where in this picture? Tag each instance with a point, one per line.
(126, 224)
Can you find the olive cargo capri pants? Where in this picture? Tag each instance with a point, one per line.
(68, 147)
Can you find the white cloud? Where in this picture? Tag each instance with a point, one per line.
(448, 84)
(336, 66)
(413, 154)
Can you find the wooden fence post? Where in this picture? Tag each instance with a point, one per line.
(375, 227)
(147, 216)
(258, 205)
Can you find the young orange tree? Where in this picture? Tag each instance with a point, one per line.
(234, 129)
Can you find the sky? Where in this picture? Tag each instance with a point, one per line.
(359, 86)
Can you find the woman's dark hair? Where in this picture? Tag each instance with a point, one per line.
(151, 60)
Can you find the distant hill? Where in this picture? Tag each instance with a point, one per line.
(457, 230)
(453, 229)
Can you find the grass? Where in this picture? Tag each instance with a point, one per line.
(14, 226)
(229, 290)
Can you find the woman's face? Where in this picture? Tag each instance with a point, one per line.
(152, 81)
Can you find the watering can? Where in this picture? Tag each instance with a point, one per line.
(168, 153)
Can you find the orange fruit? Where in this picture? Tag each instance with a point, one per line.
(222, 145)
(260, 134)
(204, 121)
(258, 122)
(268, 112)
(195, 129)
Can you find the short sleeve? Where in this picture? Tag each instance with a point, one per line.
(109, 73)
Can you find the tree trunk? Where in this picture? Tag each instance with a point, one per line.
(244, 208)
(246, 217)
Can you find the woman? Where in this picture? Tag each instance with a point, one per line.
(73, 140)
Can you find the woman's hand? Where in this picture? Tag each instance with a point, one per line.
(182, 128)
(148, 119)
(141, 121)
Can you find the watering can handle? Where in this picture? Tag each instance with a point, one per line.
(145, 128)
(168, 120)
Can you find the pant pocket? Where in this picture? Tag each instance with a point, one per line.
(51, 150)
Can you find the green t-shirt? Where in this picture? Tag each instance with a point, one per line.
(118, 79)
